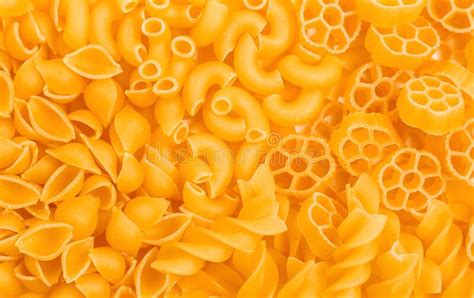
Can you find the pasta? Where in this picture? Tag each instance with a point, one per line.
(236, 148)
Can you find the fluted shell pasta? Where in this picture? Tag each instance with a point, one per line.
(44, 240)
(92, 62)
(81, 213)
(75, 259)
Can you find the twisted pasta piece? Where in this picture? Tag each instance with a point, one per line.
(443, 241)
(257, 217)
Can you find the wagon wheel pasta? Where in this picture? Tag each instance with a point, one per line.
(241, 148)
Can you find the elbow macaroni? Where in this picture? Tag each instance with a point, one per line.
(236, 148)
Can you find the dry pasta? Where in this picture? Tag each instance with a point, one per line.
(237, 148)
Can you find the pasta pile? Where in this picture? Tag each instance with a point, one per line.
(236, 148)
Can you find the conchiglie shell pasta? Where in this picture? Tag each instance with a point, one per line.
(76, 155)
(131, 175)
(66, 182)
(122, 234)
(49, 120)
(44, 240)
(101, 188)
(6, 94)
(7, 127)
(93, 285)
(11, 226)
(81, 213)
(86, 123)
(109, 263)
(92, 62)
(28, 81)
(41, 171)
(31, 282)
(111, 97)
(40, 210)
(161, 177)
(10, 286)
(124, 131)
(104, 154)
(148, 281)
(22, 122)
(75, 259)
(145, 212)
(59, 78)
(9, 152)
(16, 193)
(47, 271)
(62, 290)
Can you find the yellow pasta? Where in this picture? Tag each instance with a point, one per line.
(236, 148)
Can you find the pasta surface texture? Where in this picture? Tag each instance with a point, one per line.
(236, 148)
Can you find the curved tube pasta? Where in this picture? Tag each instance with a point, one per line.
(49, 120)
(201, 79)
(238, 24)
(59, 78)
(81, 213)
(196, 201)
(299, 111)
(6, 95)
(183, 57)
(103, 16)
(178, 15)
(92, 62)
(324, 75)
(126, 6)
(75, 259)
(283, 25)
(16, 193)
(146, 211)
(235, 99)
(249, 156)
(159, 50)
(210, 24)
(129, 38)
(44, 240)
(250, 73)
(123, 131)
(66, 182)
(219, 158)
(109, 263)
(141, 93)
(122, 234)
(76, 16)
(112, 99)
(227, 128)
(76, 155)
